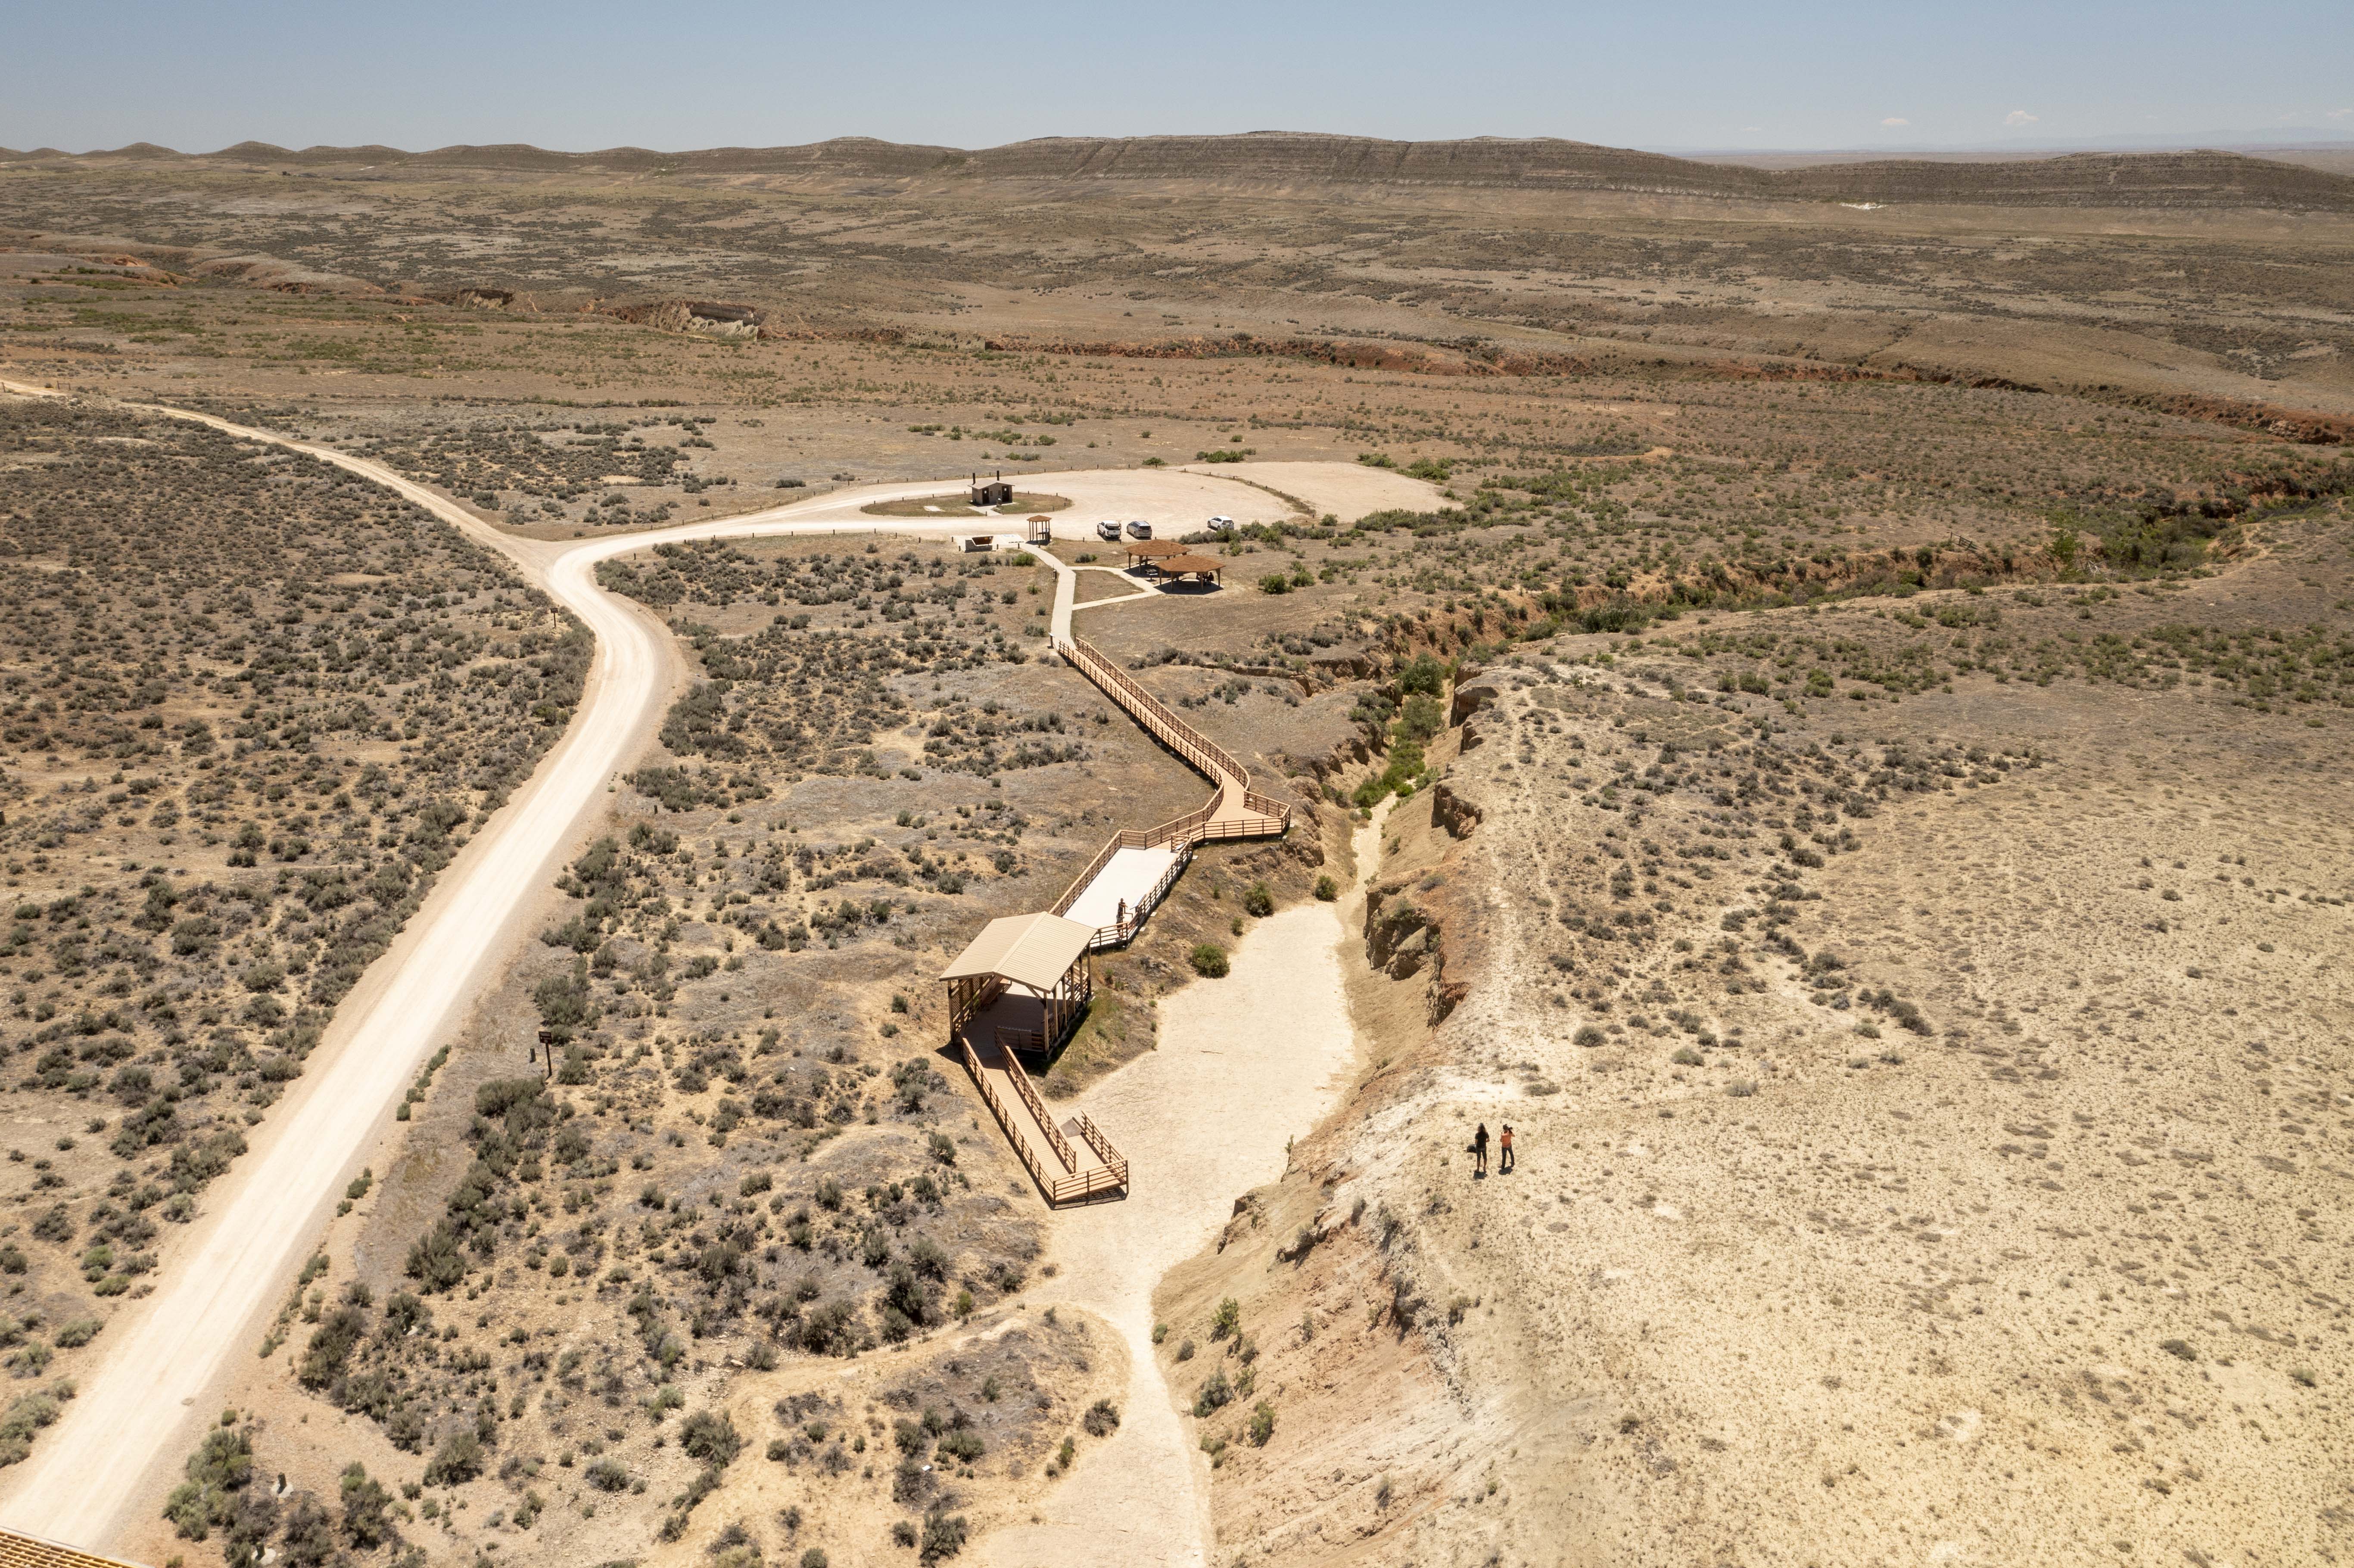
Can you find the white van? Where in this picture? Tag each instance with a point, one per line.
(1107, 530)
(1139, 530)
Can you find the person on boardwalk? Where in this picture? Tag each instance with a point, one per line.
(1504, 1152)
(1479, 1152)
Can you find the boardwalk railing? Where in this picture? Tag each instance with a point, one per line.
(1111, 1176)
(1263, 816)
(1029, 1093)
(1094, 1180)
(1005, 1122)
(1114, 1161)
(1156, 715)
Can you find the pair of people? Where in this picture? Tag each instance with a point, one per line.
(1503, 1151)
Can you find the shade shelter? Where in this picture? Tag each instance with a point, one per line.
(1152, 551)
(1039, 958)
(1197, 566)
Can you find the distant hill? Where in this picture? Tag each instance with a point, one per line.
(2204, 178)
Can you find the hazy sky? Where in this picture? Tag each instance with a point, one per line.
(590, 74)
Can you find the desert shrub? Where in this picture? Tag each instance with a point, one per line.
(1209, 961)
(331, 1346)
(1422, 717)
(310, 1539)
(1259, 900)
(911, 1483)
(943, 1537)
(78, 1333)
(367, 1509)
(711, 1436)
(1425, 674)
(1262, 1424)
(459, 1458)
(826, 1328)
(1227, 1321)
(1213, 1395)
(434, 1259)
(608, 1476)
(1102, 1419)
(217, 1471)
(925, 1256)
(1327, 889)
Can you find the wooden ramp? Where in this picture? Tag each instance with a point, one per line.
(31, 1552)
(1132, 881)
(1068, 1169)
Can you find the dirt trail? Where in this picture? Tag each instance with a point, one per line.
(1245, 1065)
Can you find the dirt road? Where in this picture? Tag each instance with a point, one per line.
(117, 1442)
(121, 1441)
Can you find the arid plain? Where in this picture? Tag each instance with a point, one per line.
(1819, 697)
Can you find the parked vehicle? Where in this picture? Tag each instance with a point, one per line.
(1139, 530)
(1222, 525)
(1108, 529)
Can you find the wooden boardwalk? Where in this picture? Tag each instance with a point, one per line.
(1126, 881)
(31, 1552)
(1236, 812)
(1067, 1170)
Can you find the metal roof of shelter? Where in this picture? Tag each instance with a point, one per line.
(1033, 950)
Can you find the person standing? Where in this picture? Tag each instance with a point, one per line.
(1479, 1152)
(1504, 1152)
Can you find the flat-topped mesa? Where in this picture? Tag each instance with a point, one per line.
(2182, 178)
